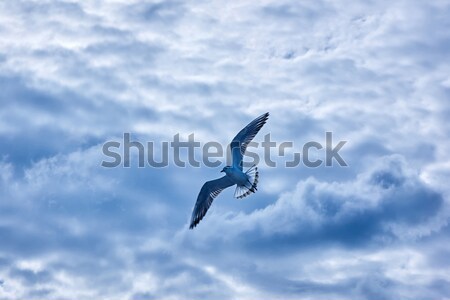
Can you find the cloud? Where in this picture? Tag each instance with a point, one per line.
(76, 74)
(388, 202)
(346, 228)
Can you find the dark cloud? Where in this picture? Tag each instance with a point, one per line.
(29, 277)
(160, 12)
(375, 210)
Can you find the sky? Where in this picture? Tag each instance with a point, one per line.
(74, 75)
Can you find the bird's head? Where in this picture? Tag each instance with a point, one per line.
(225, 169)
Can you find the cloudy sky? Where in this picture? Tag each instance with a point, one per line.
(74, 75)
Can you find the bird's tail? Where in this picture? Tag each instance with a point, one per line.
(251, 184)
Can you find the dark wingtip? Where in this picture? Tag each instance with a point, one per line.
(194, 223)
(265, 116)
(262, 119)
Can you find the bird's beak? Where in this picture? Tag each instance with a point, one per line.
(221, 171)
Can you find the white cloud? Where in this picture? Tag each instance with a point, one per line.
(75, 74)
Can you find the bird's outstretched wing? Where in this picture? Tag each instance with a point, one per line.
(244, 137)
(210, 190)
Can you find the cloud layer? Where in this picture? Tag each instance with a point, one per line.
(76, 74)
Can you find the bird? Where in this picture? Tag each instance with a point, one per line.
(246, 182)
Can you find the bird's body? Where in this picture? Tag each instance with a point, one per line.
(237, 176)
(246, 182)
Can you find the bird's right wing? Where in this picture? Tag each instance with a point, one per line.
(209, 191)
(244, 137)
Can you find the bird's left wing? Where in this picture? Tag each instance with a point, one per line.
(209, 191)
(244, 137)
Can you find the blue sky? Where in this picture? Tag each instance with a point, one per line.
(76, 74)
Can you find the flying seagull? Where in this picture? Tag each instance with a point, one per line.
(245, 182)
